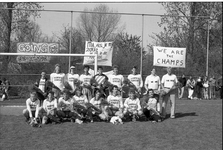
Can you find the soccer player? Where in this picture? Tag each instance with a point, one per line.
(150, 107)
(86, 82)
(153, 82)
(115, 103)
(100, 80)
(132, 107)
(168, 83)
(50, 109)
(136, 79)
(81, 104)
(65, 108)
(71, 77)
(115, 78)
(190, 85)
(33, 109)
(99, 104)
(57, 78)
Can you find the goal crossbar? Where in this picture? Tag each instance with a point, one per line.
(60, 54)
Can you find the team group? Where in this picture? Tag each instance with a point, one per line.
(100, 97)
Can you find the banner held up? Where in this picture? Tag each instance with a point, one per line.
(169, 57)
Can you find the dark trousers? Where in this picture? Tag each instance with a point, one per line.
(68, 114)
(148, 115)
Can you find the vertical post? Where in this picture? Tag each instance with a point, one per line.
(207, 50)
(70, 46)
(142, 45)
(96, 64)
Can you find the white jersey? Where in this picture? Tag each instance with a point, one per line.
(71, 78)
(67, 105)
(48, 106)
(152, 82)
(82, 100)
(136, 80)
(116, 80)
(96, 103)
(42, 83)
(32, 105)
(58, 80)
(115, 101)
(169, 80)
(86, 79)
(132, 105)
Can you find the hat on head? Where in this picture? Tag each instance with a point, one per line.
(72, 67)
(57, 65)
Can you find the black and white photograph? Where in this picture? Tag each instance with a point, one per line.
(110, 75)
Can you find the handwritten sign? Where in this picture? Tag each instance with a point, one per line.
(169, 57)
(31, 47)
(102, 49)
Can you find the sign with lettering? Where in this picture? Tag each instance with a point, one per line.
(102, 49)
(31, 47)
(169, 57)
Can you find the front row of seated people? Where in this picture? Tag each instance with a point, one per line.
(77, 108)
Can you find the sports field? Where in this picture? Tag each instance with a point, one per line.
(198, 125)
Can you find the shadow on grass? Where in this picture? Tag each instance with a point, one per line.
(180, 114)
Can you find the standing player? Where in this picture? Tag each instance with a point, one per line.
(168, 84)
(33, 109)
(86, 82)
(153, 82)
(115, 78)
(57, 78)
(136, 79)
(71, 77)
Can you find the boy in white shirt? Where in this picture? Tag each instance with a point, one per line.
(65, 108)
(132, 107)
(71, 77)
(168, 85)
(115, 78)
(58, 78)
(86, 82)
(136, 79)
(115, 102)
(33, 109)
(50, 109)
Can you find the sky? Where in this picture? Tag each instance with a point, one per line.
(53, 22)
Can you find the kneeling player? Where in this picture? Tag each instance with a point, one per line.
(99, 105)
(132, 106)
(33, 109)
(115, 102)
(82, 106)
(150, 107)
(50, 109)
(65, 108)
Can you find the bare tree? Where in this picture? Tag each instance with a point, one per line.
(98, 26)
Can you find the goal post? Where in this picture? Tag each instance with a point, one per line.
(47, 54)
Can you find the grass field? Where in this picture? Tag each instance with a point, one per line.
(198, 126)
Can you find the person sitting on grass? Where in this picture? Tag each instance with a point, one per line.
(65, 108)
(115, 103)
(82, 106)
(132, 108)
(150, 108)
(50, 109)
(33, 109)
(99, 105)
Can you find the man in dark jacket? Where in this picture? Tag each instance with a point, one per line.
(183, 82)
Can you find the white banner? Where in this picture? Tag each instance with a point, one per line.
(31, 47)
(104, 51)
(169, 57)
